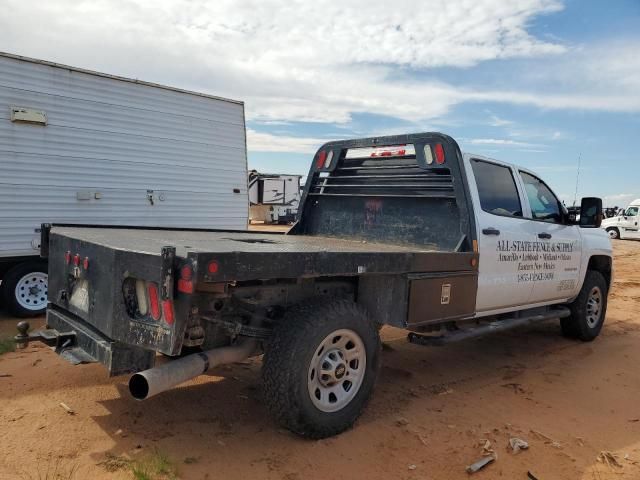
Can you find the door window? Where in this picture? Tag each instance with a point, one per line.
(631, 212)
(497, 189)
(544, 204)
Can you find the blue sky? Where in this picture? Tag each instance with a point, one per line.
(533, 82)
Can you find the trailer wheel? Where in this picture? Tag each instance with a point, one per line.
(25, 288)
(587, 310)
(320, 368)
(614, 233)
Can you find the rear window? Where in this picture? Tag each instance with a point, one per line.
(497, 189)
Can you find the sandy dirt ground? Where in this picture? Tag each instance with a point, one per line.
(431, 414)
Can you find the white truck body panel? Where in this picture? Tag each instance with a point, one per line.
(518, 269)
(627, 224)
(113, 151)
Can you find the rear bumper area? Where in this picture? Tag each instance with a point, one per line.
(78, 342)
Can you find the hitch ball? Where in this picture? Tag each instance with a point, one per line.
(22, 338)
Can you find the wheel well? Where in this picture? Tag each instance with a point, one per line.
(602, 264)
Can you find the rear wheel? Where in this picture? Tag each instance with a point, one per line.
(588, 309)
(614, 233)
(25, 289)
(320, 368)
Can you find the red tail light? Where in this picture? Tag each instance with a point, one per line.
(439, 154)
(185, 285)
(167, 311)
(67, 257)
(85, 263)
(154, 304)
(76, 259)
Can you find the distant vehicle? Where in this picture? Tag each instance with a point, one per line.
(80, 147)
(625, 224)
(273, 198)
(402, 230)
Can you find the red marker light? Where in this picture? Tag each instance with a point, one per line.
(322, 155)
(76, 259)
(67, 257)
(167, 311)
(213, 267)
(186, 272)
(185, 286)
(154, 305)
(85, 263)
(439, 154)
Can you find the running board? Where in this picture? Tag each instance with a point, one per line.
(485, 329)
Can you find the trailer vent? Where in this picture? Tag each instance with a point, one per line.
(396, 175)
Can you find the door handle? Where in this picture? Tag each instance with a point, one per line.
(490, 231)
(544, 235)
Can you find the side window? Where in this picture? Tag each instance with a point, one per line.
(497, 189)
(544, 204)
(631, 212)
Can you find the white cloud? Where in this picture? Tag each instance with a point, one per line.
(305, 61)
(496, 121)
(619, 200)
(266, 142)
(317, 61)
(501, 142)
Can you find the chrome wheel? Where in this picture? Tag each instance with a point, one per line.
(31, 291)
(594, 307)
(336, 370)
(613, 233)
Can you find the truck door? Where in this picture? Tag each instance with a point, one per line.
(503, 236)
(629, 223)
(557, 251)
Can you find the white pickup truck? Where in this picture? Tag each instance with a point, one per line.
(401, 230)
(625, 225)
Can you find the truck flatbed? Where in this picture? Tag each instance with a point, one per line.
(272, 253)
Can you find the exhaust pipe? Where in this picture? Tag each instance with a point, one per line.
(148, 383)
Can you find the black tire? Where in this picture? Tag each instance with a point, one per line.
(10, 281)
(614, 233)
(581, 324)
(287, 367)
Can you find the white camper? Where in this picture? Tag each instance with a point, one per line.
(625, 224)
(82, 147)
(273, 197)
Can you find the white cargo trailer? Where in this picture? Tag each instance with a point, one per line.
(82, 147)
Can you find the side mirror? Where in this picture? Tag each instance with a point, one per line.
(591, 212)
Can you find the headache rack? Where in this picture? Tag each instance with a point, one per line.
(400, 176)
(407, 189)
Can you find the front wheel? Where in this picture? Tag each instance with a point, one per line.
(614, 233)
(25, 288)
(588, 309)
(320, 368)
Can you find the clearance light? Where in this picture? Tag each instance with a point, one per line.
(439, 154)
(428, 155)
(185, 285)
(213, 267)
(327, 162)
(154, 304)
(322, 156)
